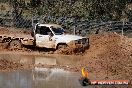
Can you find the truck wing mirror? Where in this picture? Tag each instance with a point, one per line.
(50, 34)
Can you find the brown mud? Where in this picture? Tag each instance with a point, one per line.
(109, 56)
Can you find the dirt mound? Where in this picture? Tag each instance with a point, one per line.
(4, 30)
(110, 55)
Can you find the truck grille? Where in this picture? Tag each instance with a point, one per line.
(82, 41)
(79, 41)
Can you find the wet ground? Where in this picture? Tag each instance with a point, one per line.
(38, 77)
(41, 59)
(44, 78)
(41, 77)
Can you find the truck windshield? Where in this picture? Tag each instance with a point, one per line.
(58, 31)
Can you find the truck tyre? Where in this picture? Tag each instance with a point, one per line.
(15, 44)
(62, 46)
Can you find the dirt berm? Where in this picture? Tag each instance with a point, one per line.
(109, 56)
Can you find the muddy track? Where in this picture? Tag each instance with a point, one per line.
(109, 56)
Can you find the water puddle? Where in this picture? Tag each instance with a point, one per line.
(39, 78)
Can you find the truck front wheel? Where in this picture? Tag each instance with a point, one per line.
(62, 46)
(15, 44)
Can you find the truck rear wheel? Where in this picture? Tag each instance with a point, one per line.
(15, 44)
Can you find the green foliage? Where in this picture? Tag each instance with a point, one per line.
(91, 9)
(35, 3)
(88, 9)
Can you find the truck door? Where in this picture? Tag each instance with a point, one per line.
(43, 39)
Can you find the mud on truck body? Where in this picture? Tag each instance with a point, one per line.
(46, 36)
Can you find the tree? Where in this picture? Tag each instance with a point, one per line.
(35, 3)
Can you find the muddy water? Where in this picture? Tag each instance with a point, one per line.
(39, 78)
(41, 59)
(42, 77)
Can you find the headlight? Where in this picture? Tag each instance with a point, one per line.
(81, 41)
(78, 41)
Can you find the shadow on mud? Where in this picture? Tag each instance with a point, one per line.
(33, 48)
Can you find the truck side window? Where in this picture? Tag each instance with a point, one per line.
(37, 29)
(43, 30)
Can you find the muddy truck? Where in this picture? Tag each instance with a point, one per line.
(45, 36)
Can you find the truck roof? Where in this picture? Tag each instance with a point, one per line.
(50, 25)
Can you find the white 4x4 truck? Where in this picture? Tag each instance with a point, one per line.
(46, 36)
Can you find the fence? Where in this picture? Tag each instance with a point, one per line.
(18, 19)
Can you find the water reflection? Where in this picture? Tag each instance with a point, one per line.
(39, 78)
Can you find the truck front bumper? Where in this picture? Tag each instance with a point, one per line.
(85, 46)
(77, 45)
